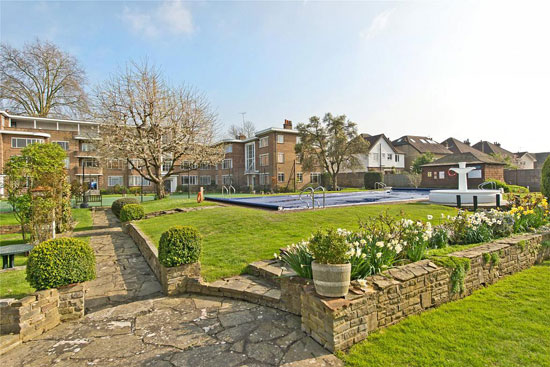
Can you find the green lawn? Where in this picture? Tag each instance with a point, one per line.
(173, 202)
(14, 285)
(236, 236)
(7, 219)
(506, 324)
(83, 219)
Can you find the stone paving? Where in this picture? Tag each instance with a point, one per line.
(122, 273)
(192, 331)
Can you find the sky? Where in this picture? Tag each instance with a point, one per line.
(467, 69)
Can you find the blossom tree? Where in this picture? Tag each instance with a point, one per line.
(154, 125)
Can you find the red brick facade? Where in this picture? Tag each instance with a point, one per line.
(441, 177)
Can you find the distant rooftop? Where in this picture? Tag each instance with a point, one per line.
(421, 143)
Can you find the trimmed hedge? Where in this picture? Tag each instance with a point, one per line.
(373, 177)
(509, 188)
(545, 178)
(59, 262)
(180, 245)
(131, 212)
(117, 205)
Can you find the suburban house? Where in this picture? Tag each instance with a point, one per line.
(540, 159)
(525, 160)
(264, 162)
(414, 146)
(493, 149)
(437, 174)
(457, 146)
(382, 156)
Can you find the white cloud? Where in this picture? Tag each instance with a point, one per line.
(379, 23)
(170, 17)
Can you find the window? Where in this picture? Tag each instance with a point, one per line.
(227, 179)
(205, 166)
(280, 157)
(63, 144)
(136, 162)
(166, 164)
(383, 155)
(229, 148)
(390, 156)
(205, 180)
(90, 163)
(114, 180)
(281, 177)
(87, 147)
(441, 175)
(264, 160)
(186, 165)
(264, 142)
(429, 174)
(397, 157)
(299, 177)
(435, 175)
(264, 179)
(315, 177)
(137, 181)
(249, 158)
(23, 142)
(298, 158)
(186, 180)
(280, 139)
(115, 163)
(67, 163)
(298, 140)
(227, 163)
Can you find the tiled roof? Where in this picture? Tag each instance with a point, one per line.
(491, 148)
(372, 139)
(456, 146)
(421, 143)
(469, 157)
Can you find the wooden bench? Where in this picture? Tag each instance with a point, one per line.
(8, 253)
(90, 198)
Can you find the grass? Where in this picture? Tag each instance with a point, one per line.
(506, 324)
(8, 219)
(173, 202)
(83, 219)
(14, 285)
(235, 236)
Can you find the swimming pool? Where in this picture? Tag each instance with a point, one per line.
(293, 202)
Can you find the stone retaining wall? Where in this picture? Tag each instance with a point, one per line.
(406, 290)
(41, 311)
(6, 229)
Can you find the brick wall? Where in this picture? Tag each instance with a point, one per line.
(406, 290)
(488, 171)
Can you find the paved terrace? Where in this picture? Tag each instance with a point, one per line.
(130, 324)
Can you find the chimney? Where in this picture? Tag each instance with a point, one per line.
(241, 137)
(497, 143)
(287, 125)
(467, 141)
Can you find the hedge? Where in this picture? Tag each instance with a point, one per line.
(180, 245)
(545, 178)
(132, 212)
(117, 205)
(373, 177)
(509, 188)
(59, 262)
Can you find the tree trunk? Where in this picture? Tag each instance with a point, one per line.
(161, 193)
(334, 181)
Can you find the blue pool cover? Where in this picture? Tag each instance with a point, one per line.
(289, 202)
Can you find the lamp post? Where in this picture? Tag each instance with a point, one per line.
(84, 203)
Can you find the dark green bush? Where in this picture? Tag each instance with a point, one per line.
(545, 178)
(180, 245)
(508, 188)
(59, 262)
(517, 189)
(373, 177)
(131, 212)
(117, 205)
(135, 190)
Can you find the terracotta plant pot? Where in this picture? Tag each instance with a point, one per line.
(331, 280)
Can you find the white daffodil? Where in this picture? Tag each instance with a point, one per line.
(378, 255)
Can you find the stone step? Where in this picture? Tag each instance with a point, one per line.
(246, 287)
(8, 342)
(270, 270)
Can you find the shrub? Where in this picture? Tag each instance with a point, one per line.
(440, 237)
(298, 258)
(131, 212)
(330, 247)
(371, 178)
(59, 262)
(180, 245)
(117, 205)
(135, 190)
(508, 188)
(545, 178)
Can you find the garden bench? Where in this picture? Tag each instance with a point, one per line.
(90, 198)
(8, 253)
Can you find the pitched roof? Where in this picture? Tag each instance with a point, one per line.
(421, 143)
(521, 154)
(372, 139)
(491, 148)
(468, 157)
(541, 158)
(456, 146)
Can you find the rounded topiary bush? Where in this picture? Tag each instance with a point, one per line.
(117, 205)
(59, 262)
(131, 212)
(180, 245)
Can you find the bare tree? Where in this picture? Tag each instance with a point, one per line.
(153, 125)
(247, 129)
(332, 143)
(414, 178)
(41, 80)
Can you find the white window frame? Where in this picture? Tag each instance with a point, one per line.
(315, 177)
(87, 147)
(28, 141)
(299, 177)
(90, 162)
(192, 180)
(62, 144)
(280, 139)
(397, 158)
(298, 139)
(264, 142)
(136, 180)
(263, 157)
(390, 156)
(227, 179)
(228, 148)
(250, 157)
(110, 180)
(280, 157)
(225, 161)
(264, 178)
(205, 180)
(281, 177)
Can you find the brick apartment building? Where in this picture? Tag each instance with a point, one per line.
(264, 162)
